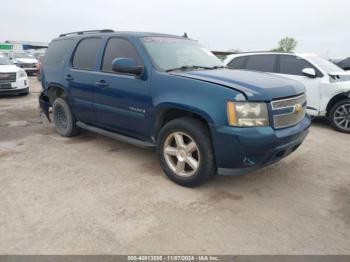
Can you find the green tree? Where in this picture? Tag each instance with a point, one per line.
(286, 44)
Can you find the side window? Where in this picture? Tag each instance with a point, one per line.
(118, 48)
(85, 55)
(238, 62)
(56, 52)
(293, 65)
(264, 63)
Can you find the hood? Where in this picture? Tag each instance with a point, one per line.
(26, 60)
(340, 76)
(9, 69)
(256, 86)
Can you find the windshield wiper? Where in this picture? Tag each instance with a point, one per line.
(188, 68)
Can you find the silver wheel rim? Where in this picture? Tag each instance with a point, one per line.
(342, 117)
(181, 154)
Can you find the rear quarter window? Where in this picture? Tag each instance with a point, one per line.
(263, 63)
(238, 62)
(57, 51)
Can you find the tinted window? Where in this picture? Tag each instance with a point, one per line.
(85, 55)
(264, 63)
(56, 52)
(238, 62)
(118, 48)
(293, 65)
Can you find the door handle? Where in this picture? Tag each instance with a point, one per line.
(68, 77)
(101, 84)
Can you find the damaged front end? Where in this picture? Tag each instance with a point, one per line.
(44, 103)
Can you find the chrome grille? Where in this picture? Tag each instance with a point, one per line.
(296, 107)
(288, 102)
(7, 78)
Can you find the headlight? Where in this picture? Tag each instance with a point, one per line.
(245, 114)
(22, 74)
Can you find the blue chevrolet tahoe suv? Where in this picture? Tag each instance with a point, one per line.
(170, 92)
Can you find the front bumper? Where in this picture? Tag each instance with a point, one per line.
(242, 150)
(6, 92)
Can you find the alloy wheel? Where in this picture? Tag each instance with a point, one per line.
(342, 117)
(181, 154)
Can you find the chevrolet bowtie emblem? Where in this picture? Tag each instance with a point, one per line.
(298, 108)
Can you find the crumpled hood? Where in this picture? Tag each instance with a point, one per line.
(26, 60)
(255, 85)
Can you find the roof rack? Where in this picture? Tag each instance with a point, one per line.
(88, 32)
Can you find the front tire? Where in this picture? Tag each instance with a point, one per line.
(64, 120)
(185, 152)
(339, 116)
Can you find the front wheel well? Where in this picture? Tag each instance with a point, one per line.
(335, 100)
(166, 115)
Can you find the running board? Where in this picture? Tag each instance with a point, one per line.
(126, 139)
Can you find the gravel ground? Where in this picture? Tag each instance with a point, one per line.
(95, 195)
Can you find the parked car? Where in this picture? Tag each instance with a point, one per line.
(170, 92)
(13, 80)
(327, 85)
(25, 61)
(345, 64)
(38, 66)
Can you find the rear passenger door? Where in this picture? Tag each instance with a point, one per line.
(80, 77)
(122, 100)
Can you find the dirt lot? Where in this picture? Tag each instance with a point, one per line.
(91, 194)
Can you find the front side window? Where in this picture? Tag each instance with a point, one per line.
(118, 48)
(293, 65)
(170, 53)
(85, 55)
(263, 63)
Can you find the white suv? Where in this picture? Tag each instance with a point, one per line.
(327, 85)
(13, 80)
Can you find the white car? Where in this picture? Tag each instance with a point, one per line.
(26, 61)
(13, 80)
(327, 85)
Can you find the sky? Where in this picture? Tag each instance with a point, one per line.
(319, 26)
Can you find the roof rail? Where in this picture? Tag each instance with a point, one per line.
(268, 51)
(88, 32)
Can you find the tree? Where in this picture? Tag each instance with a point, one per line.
(286, 44)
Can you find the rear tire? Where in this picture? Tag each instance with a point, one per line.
(185, 152)
(339, 116)
(64, 120)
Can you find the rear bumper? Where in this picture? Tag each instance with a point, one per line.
(242, 150)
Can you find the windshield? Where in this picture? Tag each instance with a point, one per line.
(4, 61)
(22, 55)
(324, 64)
(175, 53)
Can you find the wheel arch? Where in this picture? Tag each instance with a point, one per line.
(335, 99)
(56, 90)
(167, 112)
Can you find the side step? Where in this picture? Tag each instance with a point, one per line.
(126, 139)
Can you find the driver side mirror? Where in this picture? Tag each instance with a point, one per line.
(127, 66)
(309, 72)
